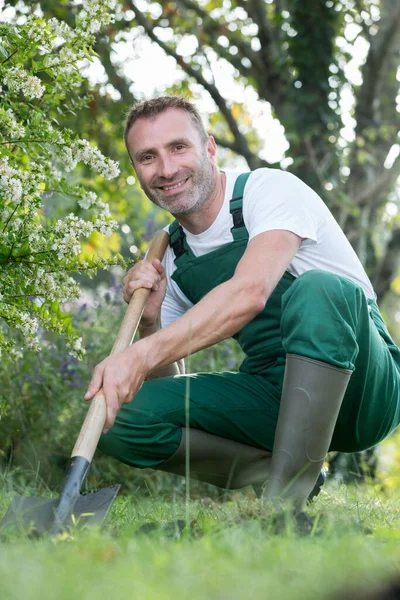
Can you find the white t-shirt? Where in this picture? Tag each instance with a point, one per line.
(273, 199)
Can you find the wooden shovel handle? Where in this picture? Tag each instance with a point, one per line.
(93, 424)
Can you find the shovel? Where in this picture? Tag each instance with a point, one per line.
(72, 509)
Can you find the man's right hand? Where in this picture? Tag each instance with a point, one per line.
(151, 276)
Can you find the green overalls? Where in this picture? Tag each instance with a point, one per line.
(319, 315)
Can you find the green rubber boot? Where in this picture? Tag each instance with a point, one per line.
(218, 460)
(312, 394)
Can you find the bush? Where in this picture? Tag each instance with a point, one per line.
(42, 396)
(40, 82)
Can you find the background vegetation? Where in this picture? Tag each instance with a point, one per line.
(327, 72)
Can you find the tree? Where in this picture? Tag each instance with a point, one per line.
(296, 56)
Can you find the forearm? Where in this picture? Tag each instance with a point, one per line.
(175, 368)
(227, 308)
(219, 315)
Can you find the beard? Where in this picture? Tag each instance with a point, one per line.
(198, 189)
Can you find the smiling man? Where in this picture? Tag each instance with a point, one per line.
(258, 257)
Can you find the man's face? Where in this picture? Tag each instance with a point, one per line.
(174, 165)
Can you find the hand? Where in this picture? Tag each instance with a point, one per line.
(120, 376)
(151, 276)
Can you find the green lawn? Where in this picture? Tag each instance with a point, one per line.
(232, 551)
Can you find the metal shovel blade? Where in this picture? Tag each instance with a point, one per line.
(35, 516)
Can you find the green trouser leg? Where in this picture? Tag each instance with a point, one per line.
(231, 422)
(328, 332)
(328, 318)
(322, 317)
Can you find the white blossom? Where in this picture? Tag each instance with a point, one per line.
(11, 188)
(69, 161)
(27, 324)
(60, 289)
(32, 88)
(9, 124)
(94, 26)
(14, 353)
(19, 80)
(51, 249)
(5, 169)
(60, 28)
(88, 200)
(72, 228)
(66, 61)
(95, 15)
(81, 150)
(75, 347)
(40, 34)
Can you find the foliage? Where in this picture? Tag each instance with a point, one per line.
(231, 552)
(295, 59)
(327, 71)
(42, 394)
(389, 451)
(41, 399)
(40, 79)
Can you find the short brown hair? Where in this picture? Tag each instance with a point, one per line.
(156, 106)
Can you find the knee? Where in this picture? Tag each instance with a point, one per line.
(324, 287)
(321, 317)
(129, 424)
(107, 443)
(317, 282)
(140, 437)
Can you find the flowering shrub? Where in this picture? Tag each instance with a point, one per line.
(39, 82)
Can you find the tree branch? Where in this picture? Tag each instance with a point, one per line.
(235, 147)
(372, 194)
(210, 25)
(10, 56)
(11, 216)
(273, 86)
(374, 71)
(388, 266)
(31, 142)
(119, 83)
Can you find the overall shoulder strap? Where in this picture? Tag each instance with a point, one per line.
(178, 243)
(177, 238)
(238, 230)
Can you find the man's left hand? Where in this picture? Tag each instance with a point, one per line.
(120, 376)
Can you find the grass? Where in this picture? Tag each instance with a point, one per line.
(231, 551)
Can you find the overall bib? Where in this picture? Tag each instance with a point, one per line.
(318, 315)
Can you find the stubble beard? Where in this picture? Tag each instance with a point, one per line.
(202, 186)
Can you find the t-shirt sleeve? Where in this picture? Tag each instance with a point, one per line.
(275, 199)
(171, 308)
(175, 302)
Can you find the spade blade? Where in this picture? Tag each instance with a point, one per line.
(32, 515)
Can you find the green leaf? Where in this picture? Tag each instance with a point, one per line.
(3, 52)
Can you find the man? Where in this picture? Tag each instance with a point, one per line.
(258, 257)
